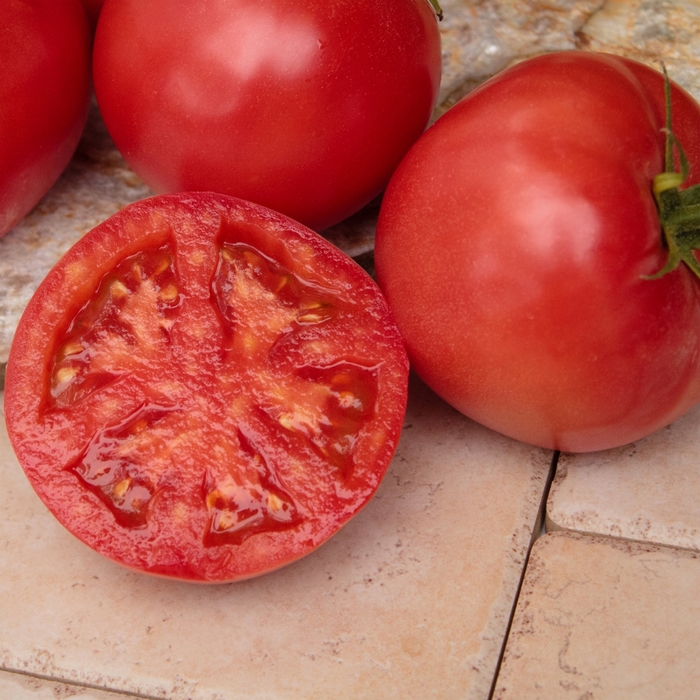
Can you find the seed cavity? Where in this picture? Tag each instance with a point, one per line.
(245, 498)
(111, 468)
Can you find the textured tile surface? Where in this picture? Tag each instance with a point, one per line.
(650, 30)
(604, 619)
(481, 38)
(647, 491)
(410, 600)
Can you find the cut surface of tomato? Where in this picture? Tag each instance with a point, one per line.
(204, 389)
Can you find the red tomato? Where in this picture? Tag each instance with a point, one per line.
(93, 9)
(204, 389)
(304, 106)
(44, 98)
(513, 244)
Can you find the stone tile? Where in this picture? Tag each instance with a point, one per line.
(604, 619)
(411, 600)
(481, 38)
(17, 686)
(644, 491)
(647, 31)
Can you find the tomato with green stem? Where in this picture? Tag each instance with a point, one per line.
(204, 389)
(518, 245)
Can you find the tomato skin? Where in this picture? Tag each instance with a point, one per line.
(92, 10)
(303, 106)
(204, 389)
(512, 244)
(44, 98)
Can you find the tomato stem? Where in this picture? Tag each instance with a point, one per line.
(679, 209)
(437, 8)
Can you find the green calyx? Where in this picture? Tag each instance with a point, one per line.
(679, 210)
(437, 8)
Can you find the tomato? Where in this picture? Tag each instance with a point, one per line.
(204, 389)
(515, 243)
(304, 106)
(93, 9)
(44, 98)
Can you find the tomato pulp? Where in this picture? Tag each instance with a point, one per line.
(514, 245)
(204, 389)
(304, 106)
(44, 98)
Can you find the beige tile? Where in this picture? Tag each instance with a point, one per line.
(17, 686)
(604, 619)
(410, 600)
(645, 491)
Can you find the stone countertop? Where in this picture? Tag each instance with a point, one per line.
(436, 589)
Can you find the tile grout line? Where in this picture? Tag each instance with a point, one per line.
(72, 684)
(537, 531)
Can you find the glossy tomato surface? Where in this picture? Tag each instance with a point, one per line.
(44, 97)
(304, 106)
(205, 389)
(93, 9)
(513, 245)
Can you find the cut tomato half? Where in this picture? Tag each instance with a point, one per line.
(205, 389)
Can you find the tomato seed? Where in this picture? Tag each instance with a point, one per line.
(118, 289)
(169, 293)
(66, 374)
(72, 348)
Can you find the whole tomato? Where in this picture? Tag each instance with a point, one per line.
(305, 106)
(519, 244)
(44, 98)
(93, 9)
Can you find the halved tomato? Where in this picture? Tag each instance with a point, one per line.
(205, 389)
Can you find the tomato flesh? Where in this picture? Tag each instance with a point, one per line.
(204, 389)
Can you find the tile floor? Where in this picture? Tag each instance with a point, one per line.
(601, 617)
(648, 491)
(413, 599)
